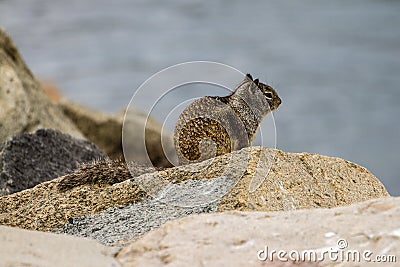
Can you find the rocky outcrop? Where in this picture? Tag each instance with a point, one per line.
(356, 235)
(32, 158)
(23, 105)
(294, 181)
(367, 230)
(28, 248)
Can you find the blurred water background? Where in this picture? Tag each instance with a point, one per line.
(335, 64)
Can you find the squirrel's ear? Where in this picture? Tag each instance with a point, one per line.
(256, 81)
(248, 75)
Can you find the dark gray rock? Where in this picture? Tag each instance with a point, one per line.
(29, 159)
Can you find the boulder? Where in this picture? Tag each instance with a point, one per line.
(23, 105)
(105, 130)
(29, 159)
(293, 181)
(254, 178)
(365, 232)
(28, 248)
(277, 180)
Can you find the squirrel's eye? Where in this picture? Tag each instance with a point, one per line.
(268, 95)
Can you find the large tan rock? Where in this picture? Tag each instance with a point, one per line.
(294, 181)
(368, 229)
(288, 181)
(28, 248)
(267, 180)
(23, 105)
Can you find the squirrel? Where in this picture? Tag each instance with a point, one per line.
(214, 125)
(211, 126)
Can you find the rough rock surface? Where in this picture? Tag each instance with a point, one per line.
(45, 208)
(23, 105)
(32, 158)
(117, 224)
(295, 181)
(105, 130)
(299, 181)
(102, 226)
(240, 238)
(27, 248)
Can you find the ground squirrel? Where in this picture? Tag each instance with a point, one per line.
(231, 122)
(214, 125)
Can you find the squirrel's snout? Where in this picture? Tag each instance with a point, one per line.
(275, 103)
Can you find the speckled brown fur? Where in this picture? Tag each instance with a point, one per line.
(214, 125)
(101, 173)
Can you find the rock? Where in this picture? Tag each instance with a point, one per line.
(28, 248)
(105, 130)
(45, 208)
(118, 225)
(241, 238)
(23, 105)
(101, 226)
(294, 181)
(299, 181)
(32, 158)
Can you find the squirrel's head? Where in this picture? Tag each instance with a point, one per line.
(268, 92)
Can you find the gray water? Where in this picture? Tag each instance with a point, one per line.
(335, 64)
